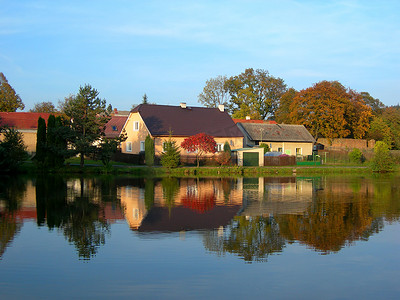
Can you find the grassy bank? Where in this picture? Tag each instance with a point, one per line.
(94, 167)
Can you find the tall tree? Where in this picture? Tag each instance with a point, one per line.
(283, 110)
(144, 101)
(88, 115)
(41, 146)
(44, 107)
(214, 93)
(330, 110)
(149, 151)
(255, 93)
(170, 156)
(9, 99)
(200, 144)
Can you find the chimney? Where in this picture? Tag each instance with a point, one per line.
(115, 111)
(183, 105)
(221, 108)
(248, 118)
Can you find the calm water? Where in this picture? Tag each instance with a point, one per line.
(248, 238)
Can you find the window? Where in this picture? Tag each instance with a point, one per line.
(141, 145)
(114, 128)
(280, 149)
(136, 126)
(298, 151)
(128, 147)
(220, 147)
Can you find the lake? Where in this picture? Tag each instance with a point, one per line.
(196, 238)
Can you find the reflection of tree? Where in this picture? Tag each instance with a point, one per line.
(251, 238)
(12, 190)
(386, 198)
(73, 211)
(149, 193)
(84, 228)
(199, 203)
(170, 188)
(8, 229)
(226, 188)
(332, 222)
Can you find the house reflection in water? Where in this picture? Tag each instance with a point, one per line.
(277, 195)
(173, 204)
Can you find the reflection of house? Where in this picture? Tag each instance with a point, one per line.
(276, 196)
(195, 204)
(288, 139)
(182, 121)
(26, 123)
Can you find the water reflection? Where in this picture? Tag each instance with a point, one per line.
(248, 217)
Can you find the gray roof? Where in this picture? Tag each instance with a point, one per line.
(277, 132)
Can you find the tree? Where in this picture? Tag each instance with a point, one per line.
(265, 146)
(88, 116)
(391, 115)
(12, 150)
(376, 105)
(170, 156)
(382, 160)
(44, 107)
(215, 94)
(380, 131)
(40, 155)
(200, 144)
(9, 99)
(149, 151)
(144, 101)
(255, 94)
(283, 110)
(330, 110)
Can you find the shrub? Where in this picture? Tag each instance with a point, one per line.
(382, 160)
(171, 156)
(149, 151)
(266, 147)
(356, 156)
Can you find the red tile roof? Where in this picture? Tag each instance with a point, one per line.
(160, 119)
(114, 126)
(22, 120)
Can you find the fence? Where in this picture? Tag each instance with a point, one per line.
(279, 160)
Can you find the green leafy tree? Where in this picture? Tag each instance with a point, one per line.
(283, 110)
(214, 93)
(88, 115)
(9, 99)
(41, 145)
(44, 107)
(376, 105)
(255, 93)
(108, 147)
(266, 147)
(382, 160)
(356, 156)
(391, 115)
(149, 151)
(12, 150)
(171, 156)
(380, 131)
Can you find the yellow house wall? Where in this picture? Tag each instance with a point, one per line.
(29, 138)
(135, 137)
(289, 148)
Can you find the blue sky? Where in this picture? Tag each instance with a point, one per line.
(168, 49)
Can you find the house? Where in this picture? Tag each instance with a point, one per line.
(288, 139)
(26, 123)
(115, 126)
(159, 121)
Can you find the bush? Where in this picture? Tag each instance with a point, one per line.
(149, 151)
(171, 156)
(12, 150)
(382, 160)
(266, 147)
(356, 156)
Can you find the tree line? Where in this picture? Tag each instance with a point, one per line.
(327, 108)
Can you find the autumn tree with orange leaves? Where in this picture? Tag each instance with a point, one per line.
(200, 144)
(330, 110)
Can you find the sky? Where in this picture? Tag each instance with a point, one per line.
(169, 49)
